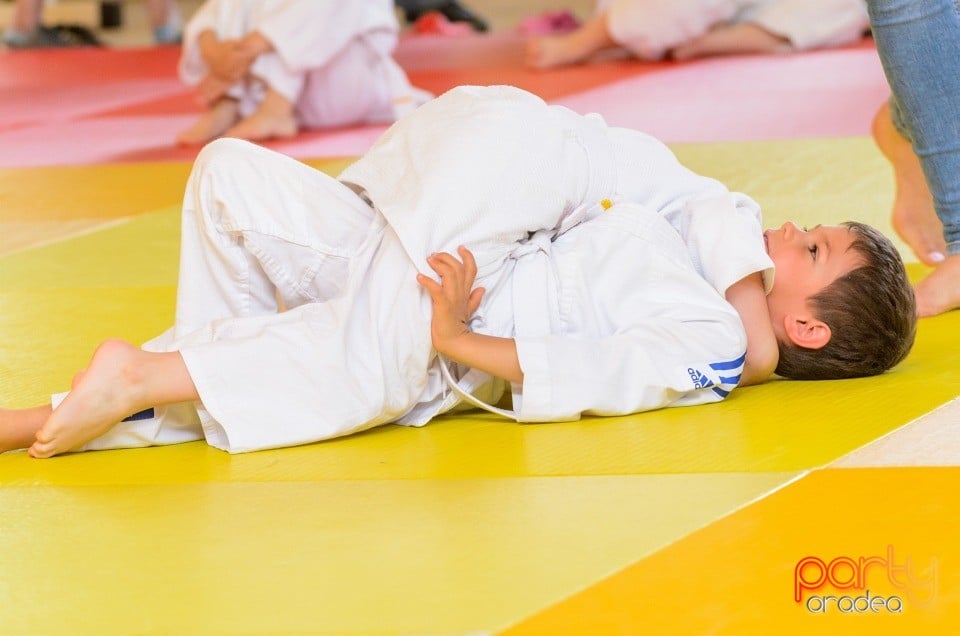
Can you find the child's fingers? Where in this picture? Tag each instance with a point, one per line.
(476, 296)
(443, 270)
(438, 263)
(433, 287)
(447, 267)
(469, 265)
(449, 261)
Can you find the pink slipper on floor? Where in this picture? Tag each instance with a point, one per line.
(549, 23)
(435, 23)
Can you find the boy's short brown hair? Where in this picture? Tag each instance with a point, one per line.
(871, 312)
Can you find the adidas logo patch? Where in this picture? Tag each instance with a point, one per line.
(700, 381)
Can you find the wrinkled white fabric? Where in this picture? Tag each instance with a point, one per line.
(332, 59)
(651, 28)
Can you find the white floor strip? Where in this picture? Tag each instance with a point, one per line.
(99, 227)
(930, 440)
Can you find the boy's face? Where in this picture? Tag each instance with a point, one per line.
(806, 262)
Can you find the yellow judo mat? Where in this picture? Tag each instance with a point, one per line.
(678, 521)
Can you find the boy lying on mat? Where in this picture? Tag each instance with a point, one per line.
(486, 241)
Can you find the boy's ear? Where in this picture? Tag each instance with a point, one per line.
(806, 331)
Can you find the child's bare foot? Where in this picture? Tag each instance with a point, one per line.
(571, 48)
(105, 393)
(550, 51)
(273, 119)
(914, 218)
(940, 291)
(18, 427)
(221, 116)
(731, 39)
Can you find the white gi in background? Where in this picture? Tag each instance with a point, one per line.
(603, 257)
(650, 28)
(332, 59)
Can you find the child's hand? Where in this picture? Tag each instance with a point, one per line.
(228, 60)
(454, 300)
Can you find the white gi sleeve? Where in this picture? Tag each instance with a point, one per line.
(724, 238)
(722, 230)
(637, 329)
(309, 33)
(661, 363)
(810, 24)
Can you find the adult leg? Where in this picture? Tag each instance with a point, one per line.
(919, 46)
(914, 218)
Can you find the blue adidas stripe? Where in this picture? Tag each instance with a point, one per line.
(726, 366)
(720, 392)
(148, 414)
(734, 380)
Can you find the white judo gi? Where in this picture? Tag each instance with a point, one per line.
(602, 256)
(332, 60)
(651, 28)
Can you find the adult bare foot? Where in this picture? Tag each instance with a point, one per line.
(914, 218)
(731, 39)
(105, 393)
(18, 427)
(273, 119)
(940, 290)
(219, 117)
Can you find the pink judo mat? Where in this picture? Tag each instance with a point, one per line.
(85, 106)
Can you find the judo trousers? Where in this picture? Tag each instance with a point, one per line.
(298, 313)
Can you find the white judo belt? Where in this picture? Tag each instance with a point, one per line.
(534, 304)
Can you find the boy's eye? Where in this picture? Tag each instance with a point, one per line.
(813, 251)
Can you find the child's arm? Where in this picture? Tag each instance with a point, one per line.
(231, 59)
(750, 300)
(454, 301)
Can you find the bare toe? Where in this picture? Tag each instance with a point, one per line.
(939, 292)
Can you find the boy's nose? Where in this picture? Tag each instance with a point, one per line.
(789, 229)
